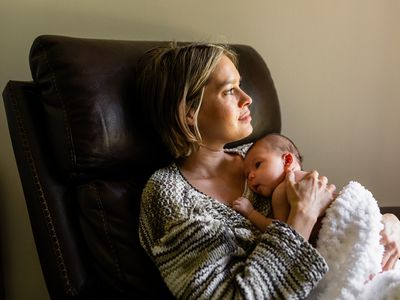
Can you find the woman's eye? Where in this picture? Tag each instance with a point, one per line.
(229, 92)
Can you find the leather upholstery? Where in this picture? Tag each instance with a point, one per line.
(84, 155)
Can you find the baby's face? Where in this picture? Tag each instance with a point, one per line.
(264, 170)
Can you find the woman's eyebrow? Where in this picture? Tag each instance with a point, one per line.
(229, 81)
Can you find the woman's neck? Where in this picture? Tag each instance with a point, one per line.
(204, 162)
(218, 174)
(212, 149)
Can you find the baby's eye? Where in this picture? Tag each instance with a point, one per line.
(257, 164)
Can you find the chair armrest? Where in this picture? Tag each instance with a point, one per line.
(391, 209)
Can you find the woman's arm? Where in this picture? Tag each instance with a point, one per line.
(202, 257)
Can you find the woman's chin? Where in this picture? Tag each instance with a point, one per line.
(241, 134)
(248, 131)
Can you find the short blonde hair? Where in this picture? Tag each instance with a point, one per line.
(171, 85)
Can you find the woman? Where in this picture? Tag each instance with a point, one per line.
(202, 247)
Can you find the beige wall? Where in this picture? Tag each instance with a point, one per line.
(336, 65)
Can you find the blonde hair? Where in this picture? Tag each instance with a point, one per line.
(171, 86)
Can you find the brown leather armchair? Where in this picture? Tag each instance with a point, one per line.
(84, 152)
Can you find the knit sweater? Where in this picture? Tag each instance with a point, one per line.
(206, 250)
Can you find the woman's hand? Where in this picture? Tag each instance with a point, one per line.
(390, 239)
(308, 200)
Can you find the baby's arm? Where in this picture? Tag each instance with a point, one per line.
(246, 209)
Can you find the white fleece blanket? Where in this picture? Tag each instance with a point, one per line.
(349, 242)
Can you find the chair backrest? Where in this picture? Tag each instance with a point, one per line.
(84, 156)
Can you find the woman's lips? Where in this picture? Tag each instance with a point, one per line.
(245, 116)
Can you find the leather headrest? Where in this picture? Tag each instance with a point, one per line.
(88, 94)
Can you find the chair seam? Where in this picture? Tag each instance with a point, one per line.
(53, 79)
(106, 228)
(69, 289)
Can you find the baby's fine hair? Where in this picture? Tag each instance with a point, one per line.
(279, 142)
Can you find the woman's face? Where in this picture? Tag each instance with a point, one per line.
(224, 115)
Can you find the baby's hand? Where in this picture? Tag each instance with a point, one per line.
(243, 206)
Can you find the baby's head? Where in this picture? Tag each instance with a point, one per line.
(267, 161)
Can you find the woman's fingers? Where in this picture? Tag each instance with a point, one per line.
(312, 192)
(290, 177)
(331, 189)
(390, 255)
(390, 239)
(323, 180)
(389, 259)
(314, 174)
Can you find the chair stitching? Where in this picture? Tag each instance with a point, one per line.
(106, 228)
(53, 79)
(69, 289)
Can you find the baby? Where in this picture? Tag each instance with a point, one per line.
(265, 165)
(348, 239)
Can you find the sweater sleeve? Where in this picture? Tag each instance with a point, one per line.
(200, 257)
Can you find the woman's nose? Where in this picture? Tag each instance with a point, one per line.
(245, 100)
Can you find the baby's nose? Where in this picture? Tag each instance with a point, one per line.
(250, 177)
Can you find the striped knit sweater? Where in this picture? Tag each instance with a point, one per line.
(206, 250)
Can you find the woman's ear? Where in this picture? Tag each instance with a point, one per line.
(190, 118)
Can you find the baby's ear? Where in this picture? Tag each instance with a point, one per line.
(288, 160)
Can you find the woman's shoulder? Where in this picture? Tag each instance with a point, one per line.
(166, 191)
(165, 174)
(164, 181)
